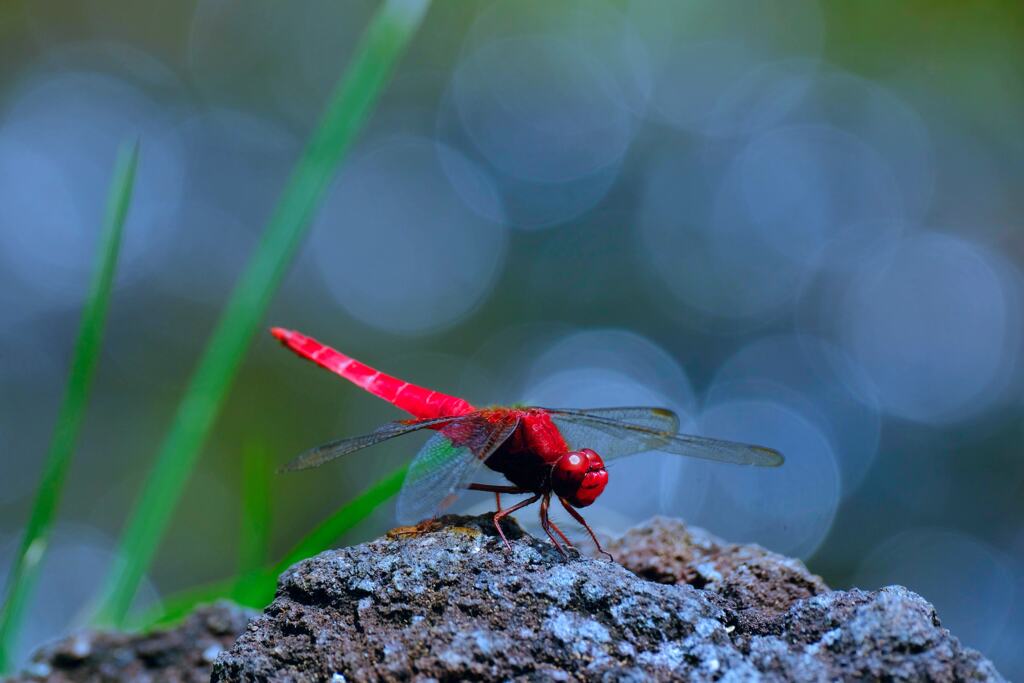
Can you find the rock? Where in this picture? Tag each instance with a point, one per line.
(183, 653)
(755, 586)
(445, 602)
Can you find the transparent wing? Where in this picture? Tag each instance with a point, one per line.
(315, 457)
(657, 419)
(448, 462)
(615, 432)
(630, 431)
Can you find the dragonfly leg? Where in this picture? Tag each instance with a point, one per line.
(579, 518)
(547, 524)
(559, 532)
(501, 514)
(497, 490)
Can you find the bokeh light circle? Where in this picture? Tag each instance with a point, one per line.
(541, 110)
(881, 120)
(26, 176)
(808, 189)
(614, 368)
(761, 98)
(504, 360)
(618, 351)
(789, 509)
(596, 27)
(936, 327)
(398, 248)
(816, 378)
(59, 135)
(240, 160)
(722, 268)
(547, 95)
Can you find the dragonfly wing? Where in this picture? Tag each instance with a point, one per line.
(657, 419)
(315, 457)
(615, 432)
(448, 462)
(723, 451)
(619, 437)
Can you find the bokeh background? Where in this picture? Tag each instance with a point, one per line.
(797, 224)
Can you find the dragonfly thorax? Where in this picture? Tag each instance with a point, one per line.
(579, 477)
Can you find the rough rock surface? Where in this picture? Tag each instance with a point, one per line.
(755, 586)
(183, 653)
(443, 602)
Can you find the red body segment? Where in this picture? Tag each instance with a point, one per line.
(527, 457)
(415, 400)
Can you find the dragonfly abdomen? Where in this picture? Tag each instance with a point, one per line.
(416, 400)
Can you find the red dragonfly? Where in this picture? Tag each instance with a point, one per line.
(543, 452)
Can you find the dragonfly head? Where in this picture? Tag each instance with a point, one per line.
(579, 477)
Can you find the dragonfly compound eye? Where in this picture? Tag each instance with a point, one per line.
(579, 477)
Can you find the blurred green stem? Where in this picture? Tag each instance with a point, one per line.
(387, 35)
(25, 571)
(254, 535)
(256, 588)
(353, 512)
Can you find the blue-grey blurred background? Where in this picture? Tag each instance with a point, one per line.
(797, 224)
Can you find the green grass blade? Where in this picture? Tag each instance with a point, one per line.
(350, 105)
(25, 570)
(254, 536)
(256, 588)
(353, 512)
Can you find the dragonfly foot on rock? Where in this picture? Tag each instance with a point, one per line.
(497, 490)
(499, 515)
(579, 518)
(548, 525)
